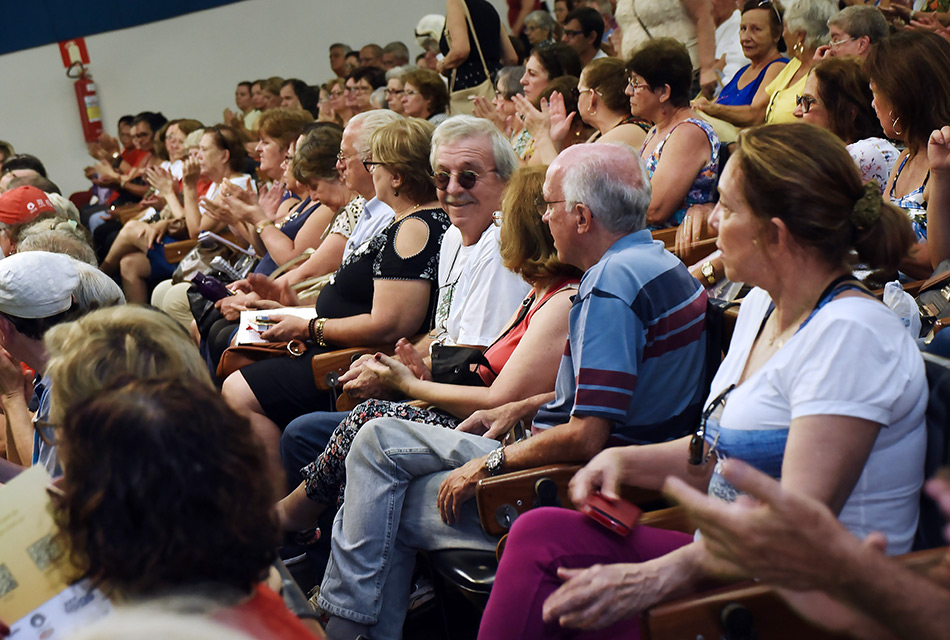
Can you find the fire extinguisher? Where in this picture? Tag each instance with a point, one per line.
(88, 101)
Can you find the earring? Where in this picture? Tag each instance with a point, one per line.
(396, 192)
(894, 122)
(798, 49)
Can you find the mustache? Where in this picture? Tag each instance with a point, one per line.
(455, 201)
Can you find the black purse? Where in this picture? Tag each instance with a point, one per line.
(453, 365)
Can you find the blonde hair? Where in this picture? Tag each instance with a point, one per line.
(106, 347)
(403, 146)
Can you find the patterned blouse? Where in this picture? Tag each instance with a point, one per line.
(703, 188)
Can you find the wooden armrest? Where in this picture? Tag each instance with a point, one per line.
(175, 251)
(127, 212)
(502, 499)
(673, 519)
(328, 367)
(666, 236)
(698, 251)
(701, 615)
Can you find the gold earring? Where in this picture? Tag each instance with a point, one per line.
(798, 49)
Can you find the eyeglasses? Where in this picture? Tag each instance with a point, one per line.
(805, 103)
(466, 178)
(370, 166)
(395, 92)
(698, 441)
(335, 94)
(531, 27)
(837, 43)
(410, 93)
(573, 33)
(358, 89)
(635, 85)
(544, 205)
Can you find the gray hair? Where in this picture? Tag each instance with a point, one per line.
(96, 290)
(377, 99)
(398, 49)
(461, 127)
(396, 73)
(510, 80)
(543, 20)
(64, 206)
(368, 122)
(862, 20)
(611, 180)
(59, 240)
(811, 16)
(339, 45)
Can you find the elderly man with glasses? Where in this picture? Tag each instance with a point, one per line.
(631, 372)
(471, 164)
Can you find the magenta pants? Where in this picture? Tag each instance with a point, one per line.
(544, 539)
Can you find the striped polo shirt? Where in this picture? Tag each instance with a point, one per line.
(636, 347)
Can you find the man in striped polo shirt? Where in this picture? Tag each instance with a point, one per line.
(632, 372)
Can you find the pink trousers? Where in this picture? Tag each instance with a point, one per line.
(544, 539)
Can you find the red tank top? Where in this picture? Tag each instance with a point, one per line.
(500, 350)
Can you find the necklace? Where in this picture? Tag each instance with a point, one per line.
(405, 212)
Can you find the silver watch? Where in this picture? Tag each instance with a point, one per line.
(495, 461)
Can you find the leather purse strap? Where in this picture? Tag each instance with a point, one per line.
(478, 46)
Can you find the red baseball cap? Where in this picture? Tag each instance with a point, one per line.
(23, 204)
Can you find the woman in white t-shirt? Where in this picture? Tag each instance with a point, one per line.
(822, 387)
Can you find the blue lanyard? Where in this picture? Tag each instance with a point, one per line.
(838, 285)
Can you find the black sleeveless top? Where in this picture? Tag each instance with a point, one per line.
(488, 25)
(350, 290)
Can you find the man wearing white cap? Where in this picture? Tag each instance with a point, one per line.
(36, 293)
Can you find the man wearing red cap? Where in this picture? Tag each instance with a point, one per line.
(18, 207)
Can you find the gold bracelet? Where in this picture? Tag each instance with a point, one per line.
(319, 330)
(260, 226)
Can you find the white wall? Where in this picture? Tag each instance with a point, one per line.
(187, 67)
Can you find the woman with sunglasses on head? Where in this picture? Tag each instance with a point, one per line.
(381, 292)
(520, 363)
(822, 387)
(760, 32)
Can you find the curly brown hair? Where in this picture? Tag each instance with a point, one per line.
(164, 490)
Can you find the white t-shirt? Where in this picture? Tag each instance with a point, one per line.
(727, 44)
(477, 294)
(853, 358)
(243, 180)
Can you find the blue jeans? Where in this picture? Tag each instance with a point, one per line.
(305, 438)
(394, 471)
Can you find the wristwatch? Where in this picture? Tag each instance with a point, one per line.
(709, 272)
(263, 224)
(495, 461)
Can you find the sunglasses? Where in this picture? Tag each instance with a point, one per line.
(697, 443)
(466, 178)
(805, 102)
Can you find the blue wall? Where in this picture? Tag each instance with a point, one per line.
(31, 23)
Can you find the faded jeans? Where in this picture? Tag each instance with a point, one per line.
(394, 470)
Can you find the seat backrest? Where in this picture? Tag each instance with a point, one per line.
(929, 527)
